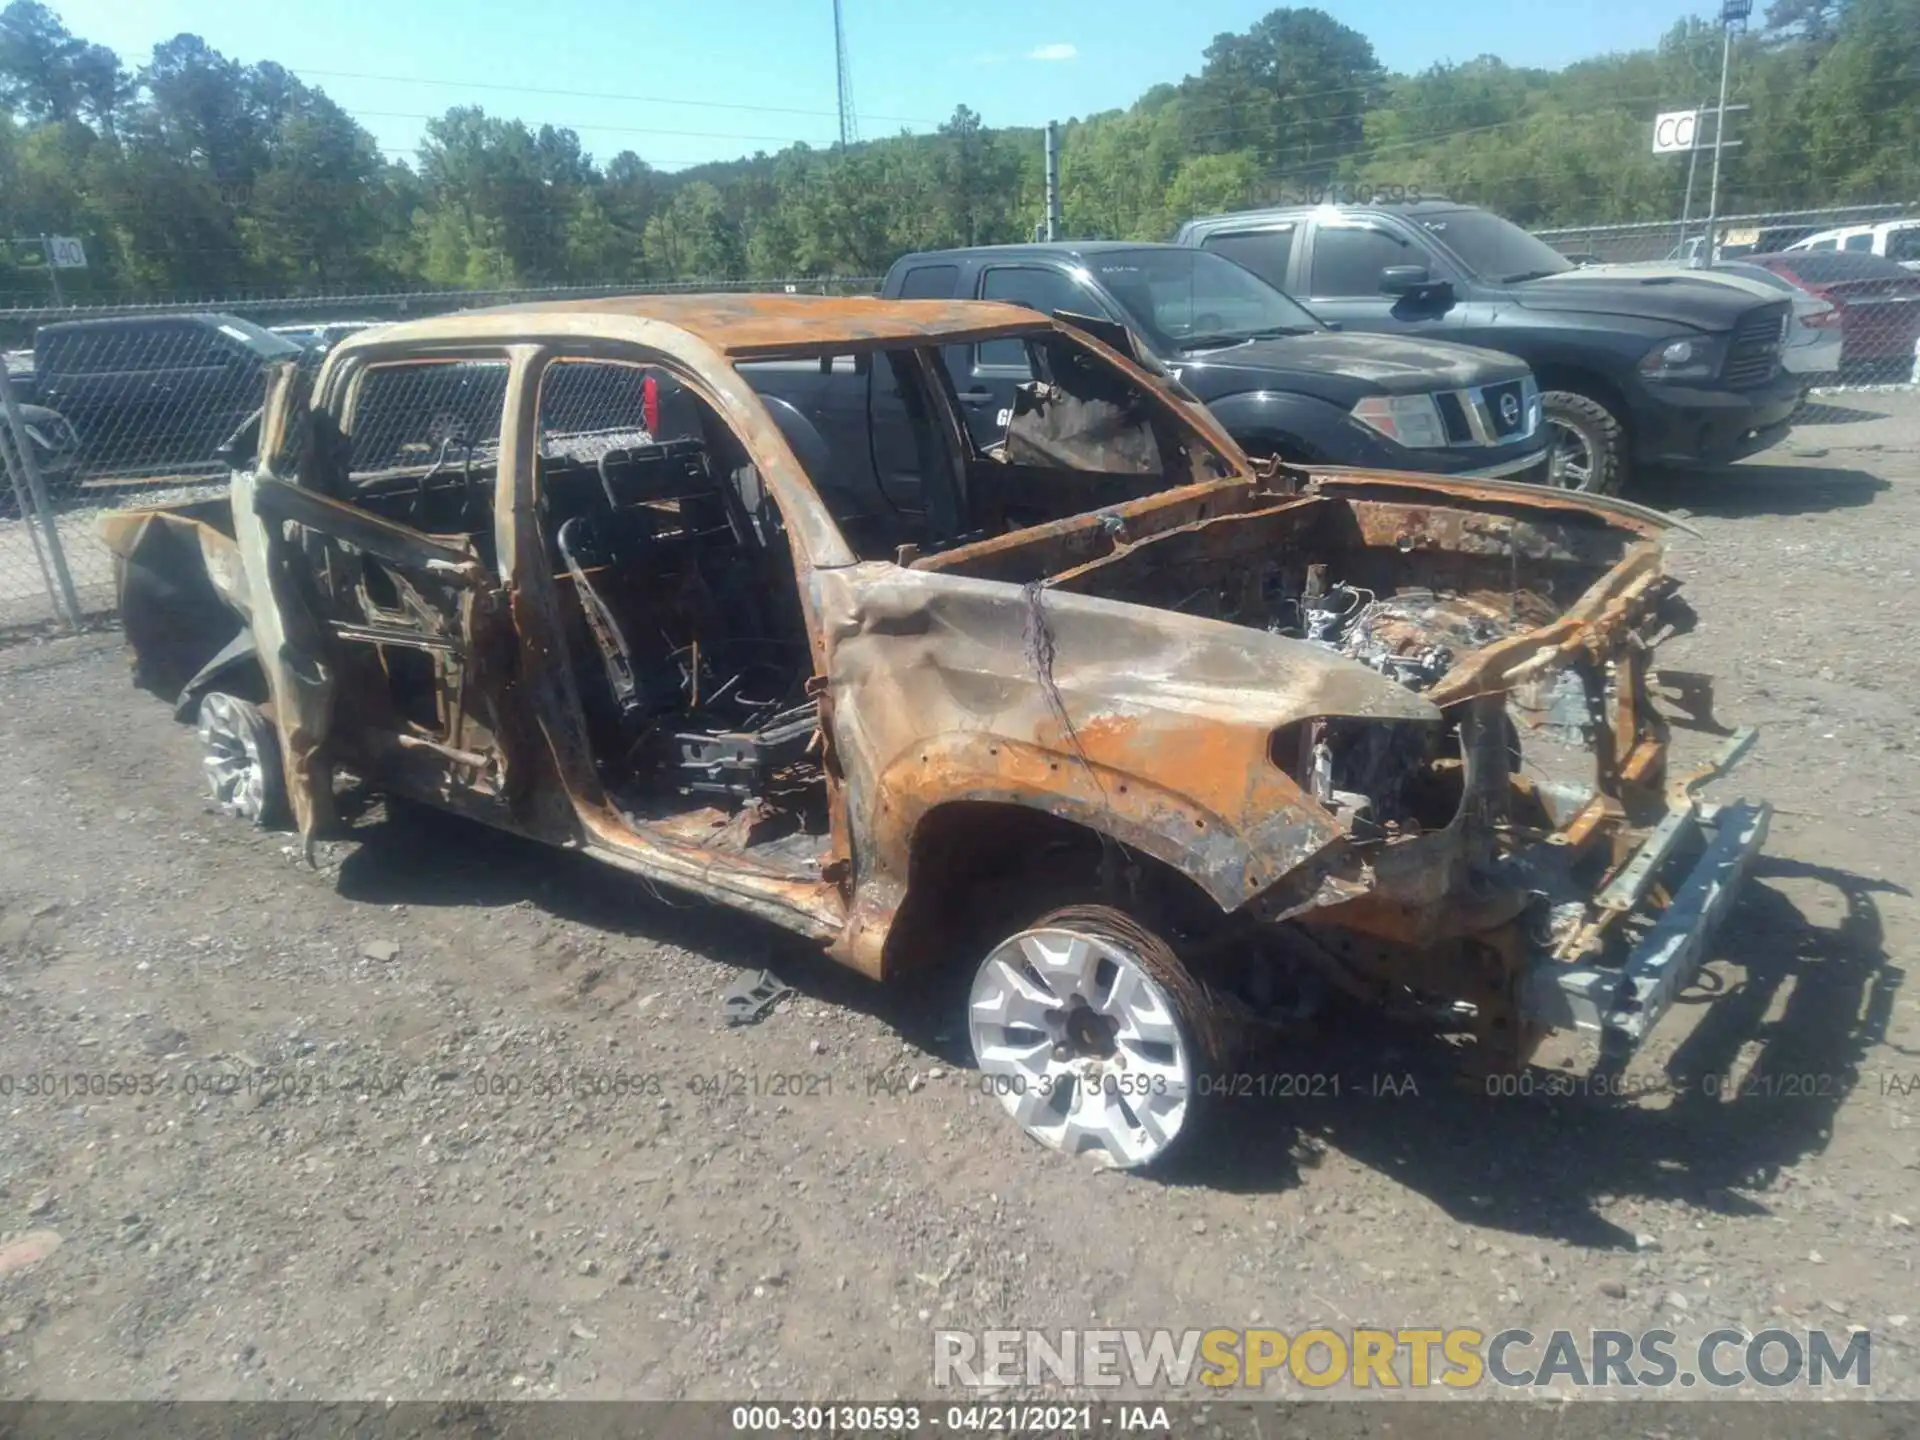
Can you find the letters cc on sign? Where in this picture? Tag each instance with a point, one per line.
(1675, 131)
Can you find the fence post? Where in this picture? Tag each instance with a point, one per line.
(23, 500)
(29, 466)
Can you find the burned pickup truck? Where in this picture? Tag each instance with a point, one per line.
(1156, 743)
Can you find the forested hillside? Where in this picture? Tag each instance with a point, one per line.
(189, 172)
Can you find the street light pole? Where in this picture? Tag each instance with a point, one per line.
(1733, 14)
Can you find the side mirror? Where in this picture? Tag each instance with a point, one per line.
(1404, 279)
(242, 448)
(1111, 333)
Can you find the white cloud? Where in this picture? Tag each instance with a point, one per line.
(1059, 50)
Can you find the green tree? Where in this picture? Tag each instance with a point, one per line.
(1295, 88)
(37, 60)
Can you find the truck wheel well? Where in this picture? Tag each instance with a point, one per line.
(1584, 382)
(235, 670)
(980, 869)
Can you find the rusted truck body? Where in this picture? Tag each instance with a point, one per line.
(1158, 742)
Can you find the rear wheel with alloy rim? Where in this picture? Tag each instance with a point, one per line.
(240, 755)
(1589, 444)
(1093, 1036)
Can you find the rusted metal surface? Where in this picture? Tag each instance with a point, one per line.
(748, 327)
(1290, 691)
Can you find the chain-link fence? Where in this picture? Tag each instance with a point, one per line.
(1853, 275)
(103, 409)
(138, 404)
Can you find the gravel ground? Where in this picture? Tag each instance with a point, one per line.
(494, 1164)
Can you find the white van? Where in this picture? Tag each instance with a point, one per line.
(1893, 239)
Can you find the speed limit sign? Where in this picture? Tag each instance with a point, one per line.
(66, 253)
(1674, 131)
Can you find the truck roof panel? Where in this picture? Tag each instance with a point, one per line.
(739, 326)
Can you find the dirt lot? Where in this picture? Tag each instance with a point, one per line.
(517, 1152)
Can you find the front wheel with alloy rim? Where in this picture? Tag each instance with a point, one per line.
(240, 754)
(1589, 451)
(1093, 1036)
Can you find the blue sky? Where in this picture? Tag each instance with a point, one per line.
(681, 83)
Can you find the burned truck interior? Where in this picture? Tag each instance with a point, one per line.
(688, 648)
(676, 586)
(678, 592)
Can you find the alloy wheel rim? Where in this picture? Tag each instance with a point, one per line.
(1572, 464)
(1081, 1046)
(236, 773)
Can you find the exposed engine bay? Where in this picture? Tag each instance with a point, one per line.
(1540, 773)
(1418, 594)
(1413, 636)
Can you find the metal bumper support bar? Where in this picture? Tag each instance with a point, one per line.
(1622, 1005)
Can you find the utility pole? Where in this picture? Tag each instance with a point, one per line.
(1686, 204)
(843, 81)
(1053, 180)
(1733, 16)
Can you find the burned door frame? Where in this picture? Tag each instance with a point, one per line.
(815, 907)
(451, 607)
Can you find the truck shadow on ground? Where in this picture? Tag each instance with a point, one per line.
(415, 856)
(1766, 487)
(1534, 1154)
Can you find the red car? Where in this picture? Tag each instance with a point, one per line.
(1879, 301)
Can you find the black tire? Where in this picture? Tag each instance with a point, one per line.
(1053, 1119)
(241, 760)
(1589, 444)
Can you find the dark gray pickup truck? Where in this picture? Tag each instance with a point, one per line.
(1638, 368)
(1279, 380)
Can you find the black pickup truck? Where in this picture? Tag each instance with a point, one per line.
(1661, 368)
(147, 392)
(1280, 381)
